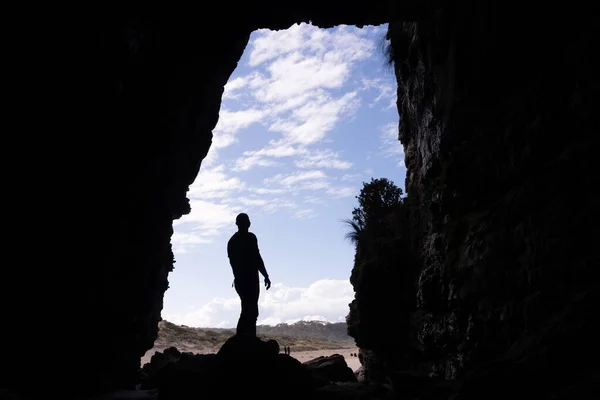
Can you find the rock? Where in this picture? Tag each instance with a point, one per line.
(500, 134)
(501, 266)
(360, 374)
(199, 363)
(374, 366)
(245, 367)
(354, 391)
(158, 361)
(6, 394)
(239, 346)
(146, 154)
(331, 368)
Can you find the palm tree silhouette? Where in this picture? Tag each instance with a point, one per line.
(357, 232)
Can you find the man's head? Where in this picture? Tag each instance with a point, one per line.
(242, 221)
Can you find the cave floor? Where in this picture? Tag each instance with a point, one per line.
(129, 395)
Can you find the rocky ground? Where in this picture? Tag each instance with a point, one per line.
(246, 367)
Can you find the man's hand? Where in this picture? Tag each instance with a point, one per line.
(267, 283)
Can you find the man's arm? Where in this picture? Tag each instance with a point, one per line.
(261, 265)
(230, 260)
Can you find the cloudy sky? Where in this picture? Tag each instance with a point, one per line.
(307, 117)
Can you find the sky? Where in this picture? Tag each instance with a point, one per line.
(308, 115)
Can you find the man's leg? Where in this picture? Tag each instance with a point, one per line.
(249, 314)
(252, 306)
(241, 324)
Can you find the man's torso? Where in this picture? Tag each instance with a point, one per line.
(242, 250)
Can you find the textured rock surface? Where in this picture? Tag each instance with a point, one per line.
(114, 113)
(244, 367)
(114, 110)
(331, 368)
(380, 314)
(354, 391)
(500, 135)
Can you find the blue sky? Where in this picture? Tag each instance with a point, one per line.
(307, 117)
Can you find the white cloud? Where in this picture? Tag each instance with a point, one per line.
(218, 313)
(247, 162)
(234, 85)
(299, 89)
(252, 202)
(325, 300)
(276, 204)
(297, 93)
(266, 191)
(305, 158)
(271, 44)
(327, 297)
(305, 214)
(275, 149)
(309, 73)
(296, 178)
(313, 185)
(312, 200)
(389, 138)
(302, 176)
(221, 140)
(208, 219)
(386, 92)
(233, 121)
(293, 89)
(183, 241)
(350, 177)
(339, 192)
(390, 144)
(211, 158)
(346, 43)
(310, 123)
(322, 159)
(214, 183)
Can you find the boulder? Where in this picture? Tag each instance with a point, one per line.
(244, 367)
(332, 368)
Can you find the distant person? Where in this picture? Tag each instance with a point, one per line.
(246, 262)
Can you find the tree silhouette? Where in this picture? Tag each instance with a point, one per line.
(377, 199)
(356, 232)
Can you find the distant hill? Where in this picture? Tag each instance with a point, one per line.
(318, 330)
(326, 331)
(300, 336)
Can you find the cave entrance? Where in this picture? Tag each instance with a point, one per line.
(307, 117)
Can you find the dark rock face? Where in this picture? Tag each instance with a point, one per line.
(380, 314)
(130, 96)
(499, 135)
(244, 367)
(115, 110)
(329, 369)
(374, 365)
(248, 367)
(159, 360)
(354, 391)
(153, 372)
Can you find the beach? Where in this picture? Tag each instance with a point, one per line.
(304, 356)
(352, 361)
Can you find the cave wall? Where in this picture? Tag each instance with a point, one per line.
(137, 95)
(113, 113)
(113, 109)
(500, 136)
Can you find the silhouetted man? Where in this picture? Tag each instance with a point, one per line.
(246, 262)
